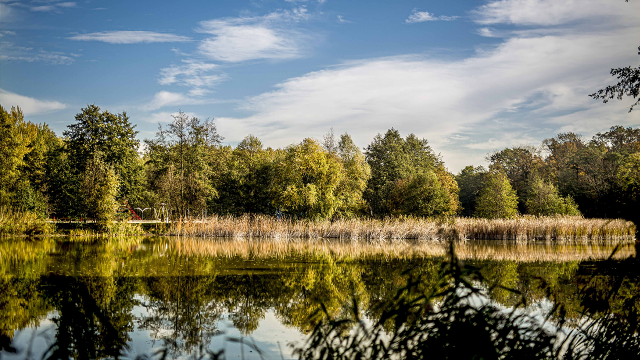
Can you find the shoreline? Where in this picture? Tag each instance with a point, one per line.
(520, 229)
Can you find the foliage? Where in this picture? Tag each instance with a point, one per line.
(24, 153)
(521, 164)
(356, 175)
(99, 188)
(243, 178)
(15, 222)
(628, 85)
(307, 181)
(543, 200)
(497, 199)
(399, 168)
(470, 180)
(177, 163)
(111, 136)
(598, 173)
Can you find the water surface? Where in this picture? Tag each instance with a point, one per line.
(104, 299)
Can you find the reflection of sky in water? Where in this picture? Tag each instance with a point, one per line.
(177, 266)
(270, 336)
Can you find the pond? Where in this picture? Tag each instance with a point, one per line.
(130, 297)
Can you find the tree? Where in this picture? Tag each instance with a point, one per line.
(520, 163)
(244, 178)
(112, 138)
(628, 85)
(497, 198)
(397, 163)
(543, 200)
(306, 181)
(178, 162)
(356, 173)
(99, 188)
(421, 194)
(470, 180)
(25, 151)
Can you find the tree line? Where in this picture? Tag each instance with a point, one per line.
(99, 163)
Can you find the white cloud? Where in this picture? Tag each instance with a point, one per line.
(6, 13)
(165, 98)
(342, 20)
(194, 74)
(29, 106)
(521, 91)
(129, 37)
(248, 38)
(10, 51)
(421, 16)
(53, 7)
(165, 117)
(553, 12)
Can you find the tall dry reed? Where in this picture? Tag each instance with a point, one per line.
(526, 228)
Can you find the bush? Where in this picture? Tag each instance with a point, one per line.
(543, 199)
(497, 198)
(14, 222)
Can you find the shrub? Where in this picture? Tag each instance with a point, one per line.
(497, 198)
(543, 199)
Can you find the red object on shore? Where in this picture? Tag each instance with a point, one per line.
(133, 214)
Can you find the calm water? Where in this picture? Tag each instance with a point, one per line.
(95, 299)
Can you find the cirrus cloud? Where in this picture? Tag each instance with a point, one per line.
(129, 37)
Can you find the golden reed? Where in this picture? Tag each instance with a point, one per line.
(524, 228)
(345, 250)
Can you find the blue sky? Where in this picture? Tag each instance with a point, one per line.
(470, 76)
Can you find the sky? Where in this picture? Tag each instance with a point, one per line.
(472, 77)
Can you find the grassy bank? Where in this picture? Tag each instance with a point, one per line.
(14, 222)
(24, 223)
(568, 228)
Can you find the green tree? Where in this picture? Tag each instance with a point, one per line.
(590, 172)
(114, 138)
(178, 162)
(497, 198)
(24, 156)
(421, 194)
(244, 177)
(521, 164)
(543, 199)
(470, 180)
(306, 181)
(16, 137)
(356, 173)
(395, 163)
(99, 188)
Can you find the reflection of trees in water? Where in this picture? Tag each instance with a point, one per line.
(182, 311)
(183, 308)
(94, 315)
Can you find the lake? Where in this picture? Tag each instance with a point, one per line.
(131, 297)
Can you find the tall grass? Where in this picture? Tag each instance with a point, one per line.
(14, 222)
(527, 228)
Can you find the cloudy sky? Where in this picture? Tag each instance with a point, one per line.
(470, 76)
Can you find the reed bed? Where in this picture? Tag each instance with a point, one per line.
(14, 222)
(525, 228)
(319, 249)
